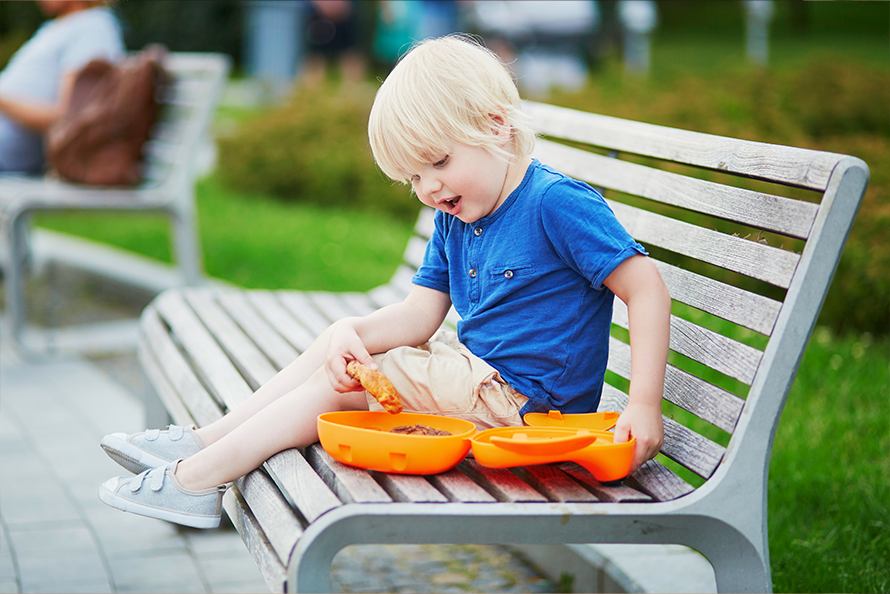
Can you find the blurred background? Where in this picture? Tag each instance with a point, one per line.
(291, 198)
(810, 74)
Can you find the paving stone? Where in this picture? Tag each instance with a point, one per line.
(156, 573)
(66, 566)
(229, 568)
(64, 586)
(48, 540)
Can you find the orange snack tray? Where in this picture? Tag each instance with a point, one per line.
(362, 438)
(504, 447)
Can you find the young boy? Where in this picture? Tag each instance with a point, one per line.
(529, 258)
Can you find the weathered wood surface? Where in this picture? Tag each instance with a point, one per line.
(788, 165)
(746, 207)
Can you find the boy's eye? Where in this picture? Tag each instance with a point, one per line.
(442, 162)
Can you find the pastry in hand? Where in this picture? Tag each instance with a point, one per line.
(377, 386)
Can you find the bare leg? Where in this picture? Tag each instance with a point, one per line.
(287, 422)
(283, 382)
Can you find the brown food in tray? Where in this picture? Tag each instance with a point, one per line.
(418, 430)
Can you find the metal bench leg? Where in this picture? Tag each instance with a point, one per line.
(738, 565)
(14, 271)
(187, 250)
(310, 566)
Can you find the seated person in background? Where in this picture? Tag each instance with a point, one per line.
(36, 84)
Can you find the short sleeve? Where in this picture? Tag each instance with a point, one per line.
(585, 232)
(433, 272)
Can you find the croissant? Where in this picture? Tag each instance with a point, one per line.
(377, 386)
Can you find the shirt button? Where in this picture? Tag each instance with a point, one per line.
(478, 231)
(472, 273)
(508, 274)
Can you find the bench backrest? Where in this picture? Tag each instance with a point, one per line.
(746, 235)
(197, 81)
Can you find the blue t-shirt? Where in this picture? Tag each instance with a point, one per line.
(527, 281)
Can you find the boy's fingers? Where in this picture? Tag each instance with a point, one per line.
(622, 433)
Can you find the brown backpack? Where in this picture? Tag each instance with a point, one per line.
(99, 139)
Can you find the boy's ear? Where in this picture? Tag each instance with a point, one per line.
(500, 127)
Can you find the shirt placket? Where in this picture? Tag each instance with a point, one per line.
(474, 247)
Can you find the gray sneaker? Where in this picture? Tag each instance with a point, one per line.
(157, 494)
(152, 448)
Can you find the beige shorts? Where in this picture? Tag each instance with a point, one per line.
(442, 377)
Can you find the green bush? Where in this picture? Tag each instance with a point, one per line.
(314, 149)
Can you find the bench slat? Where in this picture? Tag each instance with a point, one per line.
(175, 407)
(553, 483)
(741, 307)
(762, 211)
(306, 490)
(457, 486)
(279, 523)
(276, 348)
(415, 251)
(606, 493)
(281, 319)
(336, 306)
(770, 264)
(403, 487)
(384, 295)
(728, 356)
(352, 485)
(360, 303)
(500, 482)
(703, 399)
(246, 357)
(167, 368)
(302, 309)
(274, 572)
(658, 481)
(401, 281)
(211, 362)
(787, 165)
(426, 222)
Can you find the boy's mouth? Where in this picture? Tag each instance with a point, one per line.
(452, 205)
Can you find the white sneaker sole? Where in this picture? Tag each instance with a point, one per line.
(129, 456)
(114, 500)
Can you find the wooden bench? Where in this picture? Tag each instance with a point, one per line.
(744, 310)
(169, 188)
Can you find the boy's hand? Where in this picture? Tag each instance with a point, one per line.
(345, 346)
(643, 422)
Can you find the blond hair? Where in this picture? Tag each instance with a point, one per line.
(446, 90)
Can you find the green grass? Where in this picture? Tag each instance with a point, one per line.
(257, 241)
(829, 483)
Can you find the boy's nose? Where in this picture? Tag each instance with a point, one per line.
(430, 186)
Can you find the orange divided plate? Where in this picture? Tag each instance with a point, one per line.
(601, 421)
(503, 447)
(361, 438)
